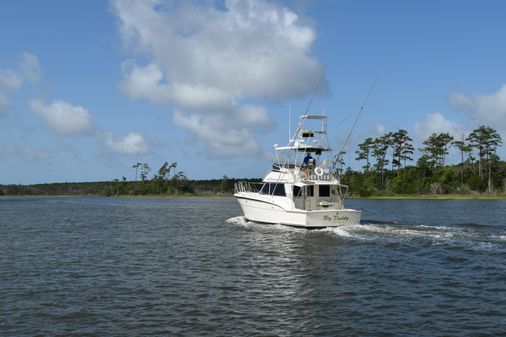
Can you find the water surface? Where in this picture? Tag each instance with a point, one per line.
(194, 267)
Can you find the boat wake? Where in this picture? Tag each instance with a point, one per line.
(463, 236)
(242, 221)
(238, 220)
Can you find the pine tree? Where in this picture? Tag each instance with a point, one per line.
(436, 148)
(364, 152)
(402, 148)
(136, 167)
(144, 171)
(379, 151)
(464, 149)
(485, 140)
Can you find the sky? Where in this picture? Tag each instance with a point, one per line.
(89, 88)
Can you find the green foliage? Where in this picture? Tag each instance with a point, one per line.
(364, 152)
(476, 183)
(379, 152)
(402, 149)
(431, 174)
(175, 186)
(424, 180)
(436, 148)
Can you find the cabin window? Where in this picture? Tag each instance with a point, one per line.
(297, 191)
(324, 190)
(310, 191)
(279, 189)
(273, 189)
(265, 189)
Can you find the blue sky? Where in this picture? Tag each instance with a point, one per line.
(88, 88)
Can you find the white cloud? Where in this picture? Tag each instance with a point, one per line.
(30, 68)
(9, 80)
(489, 109)
(436, 123)
(460, 102)
(64, 118)
(12, 80)
(132, 143)
(379, 129)
(208, 129)
(205, 62)
(146, 82)
(25, 152)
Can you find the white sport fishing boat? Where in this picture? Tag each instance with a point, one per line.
(299, 190)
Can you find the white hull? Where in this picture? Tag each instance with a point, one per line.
(270, 211)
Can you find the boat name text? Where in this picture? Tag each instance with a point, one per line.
(335, 218)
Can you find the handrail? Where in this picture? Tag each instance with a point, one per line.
(246, 186)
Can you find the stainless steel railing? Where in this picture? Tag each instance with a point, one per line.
(246, 186)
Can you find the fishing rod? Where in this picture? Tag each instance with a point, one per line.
(340, 153)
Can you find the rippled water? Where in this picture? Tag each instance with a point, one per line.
(194, 267)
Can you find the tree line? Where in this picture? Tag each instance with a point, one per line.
(387, 169)
(162, 182)
(386, 164)
(123, 187)
(167, 180)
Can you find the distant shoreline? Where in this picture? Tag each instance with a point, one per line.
(174, 196)
(213, 188)
(434, 197)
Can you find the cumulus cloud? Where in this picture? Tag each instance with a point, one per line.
(12, 79)
(205, 62)
(436, 123)
(489, 109)
(132, 143)
(208, 128)
(64, 118)
(25, 152)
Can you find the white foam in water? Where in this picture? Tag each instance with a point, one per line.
(238, 220)
(413, 232)
(241, 221)
(370, 231)
(341, 232)
(487, 246)
(345, 231)
(437, 235)
(442, 228)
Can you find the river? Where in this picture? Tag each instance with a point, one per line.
(195, 267)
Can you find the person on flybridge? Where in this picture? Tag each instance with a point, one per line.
(308, 160)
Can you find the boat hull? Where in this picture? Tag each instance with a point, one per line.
(269, 212)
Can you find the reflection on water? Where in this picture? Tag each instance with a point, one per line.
(105, 266)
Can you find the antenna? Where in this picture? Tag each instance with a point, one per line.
(316, 89)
